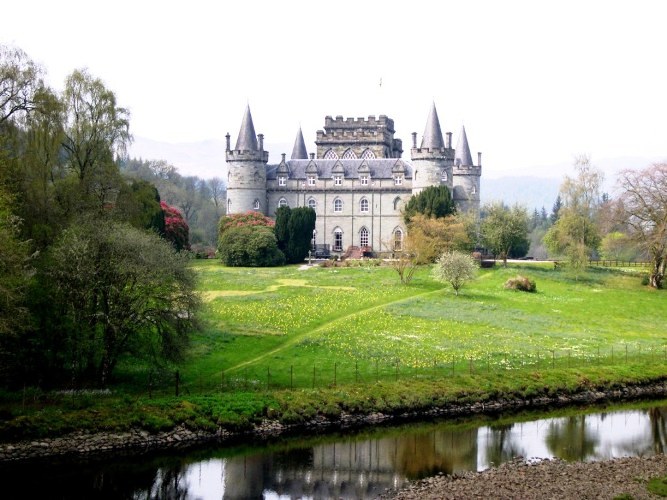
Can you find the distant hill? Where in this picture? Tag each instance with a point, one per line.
(532, 192)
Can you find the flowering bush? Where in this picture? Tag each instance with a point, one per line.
(176, 230)
(247, 219)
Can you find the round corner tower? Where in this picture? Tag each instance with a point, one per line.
(246, 170)
(466, 177)
(433, 161)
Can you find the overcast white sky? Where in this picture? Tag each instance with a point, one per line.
(534, 82)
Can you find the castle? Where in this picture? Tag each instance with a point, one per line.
(357, 182)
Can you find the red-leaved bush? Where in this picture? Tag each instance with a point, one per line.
(176, 230)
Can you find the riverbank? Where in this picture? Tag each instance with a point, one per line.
(622, 478)
(90, 443)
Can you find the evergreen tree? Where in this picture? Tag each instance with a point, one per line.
(300, 232)
(555, 210)
(434, 201)
(281, 230)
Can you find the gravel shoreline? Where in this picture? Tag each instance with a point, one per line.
(542, 479)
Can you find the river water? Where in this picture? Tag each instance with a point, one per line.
(359, 465)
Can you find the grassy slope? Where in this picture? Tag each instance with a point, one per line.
(289, 320)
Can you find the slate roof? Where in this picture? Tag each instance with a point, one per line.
(299, 151)
(378, 168)
(462, 155)
(247, 140)
(432, 138)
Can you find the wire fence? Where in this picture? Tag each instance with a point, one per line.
(619, 263)
(330, 373)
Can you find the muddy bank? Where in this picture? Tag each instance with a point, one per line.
(85, 444)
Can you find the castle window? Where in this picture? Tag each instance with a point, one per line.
(311, 180)
(398, 239)
(282, 202)
(364, 180)
(229, 206)
(473, 190)
(363, 205)
(397, 203)
(363, 237)
(282, 180)
(312, 203)
(255, 205)
(368, 154)
(443, 175)
(330, 155)
(349, 155)
(398, 179)
(338, 240)
(338, 205)
(338, 180)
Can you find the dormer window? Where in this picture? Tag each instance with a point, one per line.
(398, 179)
(282, 180)
(311, 180)
(363, 179)
(338, 180)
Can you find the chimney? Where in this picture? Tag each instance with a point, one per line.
(312, 156)
(283, 155)
(260, 139)
(449, 140)
(479, 159)
(414, 140)
(228, 145)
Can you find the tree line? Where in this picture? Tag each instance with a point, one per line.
(90, 272)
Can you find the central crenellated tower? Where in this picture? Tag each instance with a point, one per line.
(246, 174)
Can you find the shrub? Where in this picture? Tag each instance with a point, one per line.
(250, 247)
(521, 283)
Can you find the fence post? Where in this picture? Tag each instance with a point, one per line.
(356, 371)
(397, 369)
(335, 372)
(268, 377)
(313, 376)
(178, 381)
(612, 355)
(291, 377)
(553, 359)
(222, 381)
(452, 367)
(626, 353)
(471, 365)
(377, 376)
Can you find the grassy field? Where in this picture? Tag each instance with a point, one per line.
(291, 344)
(290, 327)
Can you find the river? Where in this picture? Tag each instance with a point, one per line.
(355, 465)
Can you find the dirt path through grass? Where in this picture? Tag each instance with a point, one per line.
(298, 337)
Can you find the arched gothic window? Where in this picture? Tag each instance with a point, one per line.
(443, 175)
(397, 203)
(363, 237)
(368, 154)
(255, 205)
(282, 202)
(330, 155)
(338, 240)
(338, 205)
(349, 155)
(229, 206)
(363, 205)
(312, 203)
(398, 239)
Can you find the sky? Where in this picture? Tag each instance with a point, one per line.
(536, 83)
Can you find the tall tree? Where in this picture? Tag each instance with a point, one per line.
(96, 130)
(300, 233)
(575, 233)
(20, 84)
(505, 229)
(644, 203)
(217, 190)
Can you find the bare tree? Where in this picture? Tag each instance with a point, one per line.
(217, 191)
(644, 203)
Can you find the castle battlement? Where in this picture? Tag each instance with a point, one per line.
(339, 122)
(431, 154)
(467, 170)
(245, 155)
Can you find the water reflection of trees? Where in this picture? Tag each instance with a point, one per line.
(570, 439)
(501, 445)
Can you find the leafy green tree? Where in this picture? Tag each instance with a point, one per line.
(300, 233)
(434, 201)
(429, 237)
(505, 229)
(281, 228)
(248, 246)
(114, 290)
(96, 129)
(575, 234)
(644, 209)
(139, 204)
(455, 268)
(20, 84)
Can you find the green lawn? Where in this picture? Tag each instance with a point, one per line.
(328, 326)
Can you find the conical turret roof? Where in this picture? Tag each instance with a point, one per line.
(299, 151)
(432, 138)
(247, 140)
(462, 155)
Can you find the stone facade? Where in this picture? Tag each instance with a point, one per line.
(358, 182)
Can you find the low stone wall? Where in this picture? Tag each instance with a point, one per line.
(85, 444)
